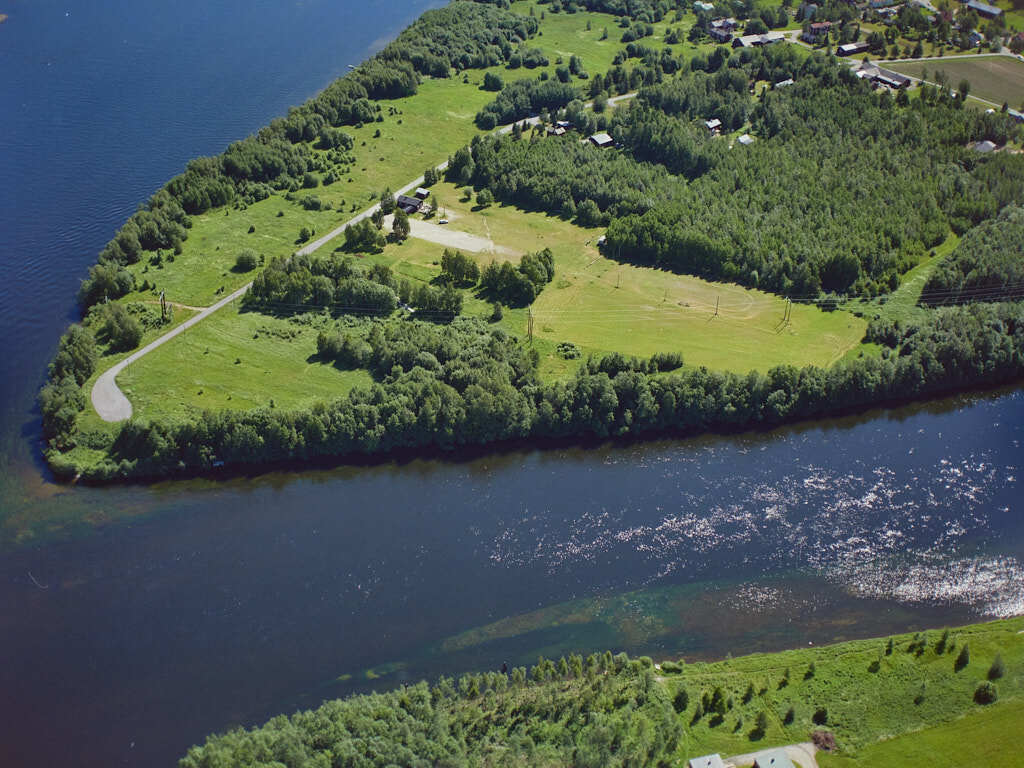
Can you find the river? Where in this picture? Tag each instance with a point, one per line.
(136, 619)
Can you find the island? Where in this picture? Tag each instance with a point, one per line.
(525, 222)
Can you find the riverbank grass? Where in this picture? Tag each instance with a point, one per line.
(870, 698)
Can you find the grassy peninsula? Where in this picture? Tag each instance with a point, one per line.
(949, 697)
(679, 281)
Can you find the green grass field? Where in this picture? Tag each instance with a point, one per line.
(234, 359)
(987, 737)
(871, 710)
(995, 78)
(596, 303)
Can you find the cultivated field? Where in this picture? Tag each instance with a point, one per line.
(994, 78)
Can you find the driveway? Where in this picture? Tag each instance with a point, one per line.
(451, 238)
(802, 753)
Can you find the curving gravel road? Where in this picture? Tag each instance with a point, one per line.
(108, 399)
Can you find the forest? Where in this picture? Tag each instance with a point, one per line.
(987, 264)
(891, 180)
(439, 386)
(600, 711)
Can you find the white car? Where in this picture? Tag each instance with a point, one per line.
(442, 221)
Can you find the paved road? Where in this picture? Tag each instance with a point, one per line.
(110, 402)
(799, 753)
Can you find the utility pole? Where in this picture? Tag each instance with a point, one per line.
(717, 300)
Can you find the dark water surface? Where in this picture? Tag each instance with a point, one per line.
(178, 609)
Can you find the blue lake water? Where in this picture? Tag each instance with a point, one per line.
(182, 608)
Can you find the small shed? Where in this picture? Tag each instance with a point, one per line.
(706, 761)
(421, 193)
(774, 758)
(784, 83)
(714, 126)
(602, 140)
(984, 147)
(702, 6)
(746, 139)
(556, 130)
(409, 204)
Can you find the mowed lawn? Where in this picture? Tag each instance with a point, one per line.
(995, 78)
(234, 359)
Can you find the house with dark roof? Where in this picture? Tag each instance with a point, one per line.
(409, 204)
(816, 32)
(719, 34)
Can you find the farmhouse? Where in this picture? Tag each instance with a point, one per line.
(878, 77)
(752, 41)
(983, 9)
(775, 758)
(852, 49)
(602, 140)
(816, 32)
(707, 761)
(714, 126)
(409, 204)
